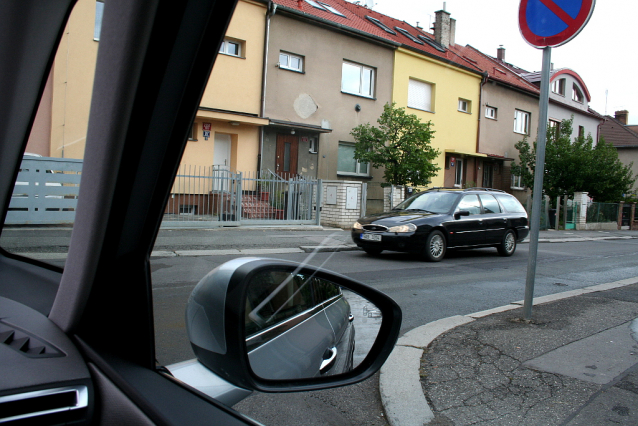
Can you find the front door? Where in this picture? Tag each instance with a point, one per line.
(488, 175)
(221, 162)
(287, 152)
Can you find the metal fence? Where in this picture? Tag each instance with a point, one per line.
(45, 192)
(214, 196)
(602, 212)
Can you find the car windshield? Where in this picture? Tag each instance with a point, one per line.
(434, 202)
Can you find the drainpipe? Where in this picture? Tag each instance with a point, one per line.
(271, 10)
(478, 126)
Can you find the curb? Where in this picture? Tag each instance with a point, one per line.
(300, 249)
(400, 381)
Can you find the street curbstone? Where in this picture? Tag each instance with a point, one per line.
(401, 393)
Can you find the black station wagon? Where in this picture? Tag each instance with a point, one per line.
(430, 222)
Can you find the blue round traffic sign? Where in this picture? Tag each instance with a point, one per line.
(553, 22)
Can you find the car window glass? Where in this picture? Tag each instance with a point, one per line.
(470, 203)
(490, 205)
(277, 296)
(42, 208)
(510, 204)
(436, 202)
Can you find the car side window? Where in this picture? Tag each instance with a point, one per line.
(275, 297)
(490, 205)
(470, 203)
(510, 204)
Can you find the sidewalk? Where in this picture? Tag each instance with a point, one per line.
(576, 363)
(52, 243)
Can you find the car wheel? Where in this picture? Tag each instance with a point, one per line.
(508, 245)
(373, 251)
(435, 247)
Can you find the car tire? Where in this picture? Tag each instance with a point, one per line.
(508, 245)
(373, 251)
(435, 247)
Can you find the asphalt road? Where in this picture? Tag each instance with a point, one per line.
(465, 282)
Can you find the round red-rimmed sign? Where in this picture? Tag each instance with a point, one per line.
(553, 23)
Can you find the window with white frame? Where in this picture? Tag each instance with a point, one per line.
(291, 62)
(347, 164)
(99, 12)
(420, 95)
(231, 47)
(577, 94)
(558, 86)
(490, 112)
(357, 79)
(312, 145)
(517, 182)
(521, 122)
(465, 105)
(192, 134)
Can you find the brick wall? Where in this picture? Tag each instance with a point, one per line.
(338, 214)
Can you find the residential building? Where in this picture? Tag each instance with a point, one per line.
(226, 131)
(508, 113)
(569, 97)
(616, 131)
(434, 82)
(327, 71)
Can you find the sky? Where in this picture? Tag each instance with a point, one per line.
(604, 54)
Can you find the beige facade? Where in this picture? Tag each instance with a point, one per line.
(61, 123)
(230, 107)
(501, 105)
(310, 101)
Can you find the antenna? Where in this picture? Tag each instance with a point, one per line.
(606, 92)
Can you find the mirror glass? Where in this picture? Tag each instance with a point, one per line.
(300, 326)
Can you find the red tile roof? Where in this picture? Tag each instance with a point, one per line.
(496, 70)
(355, 17)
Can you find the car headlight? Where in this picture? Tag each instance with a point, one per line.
(357, 225)
(410, 227)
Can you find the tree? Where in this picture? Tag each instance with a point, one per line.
(575, 166)
(401, 144)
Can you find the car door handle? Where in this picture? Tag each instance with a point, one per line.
(329, 357)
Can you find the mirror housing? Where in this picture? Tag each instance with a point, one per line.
(215, 322)
(457, 215)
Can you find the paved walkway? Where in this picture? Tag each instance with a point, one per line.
(575, 363)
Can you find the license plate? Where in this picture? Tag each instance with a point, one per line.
(371, 237)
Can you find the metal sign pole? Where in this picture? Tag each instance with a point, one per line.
(538, 184)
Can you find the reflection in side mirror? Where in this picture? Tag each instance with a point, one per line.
(278, 326)
(300, 326)
(460, 213)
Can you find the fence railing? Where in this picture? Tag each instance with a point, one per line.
(602, 212)
(215, 196)
(46, 192)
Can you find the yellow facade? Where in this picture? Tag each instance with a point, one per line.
(231, 104)
(456, 131)
(73, 72)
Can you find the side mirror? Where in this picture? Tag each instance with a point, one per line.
(277, 326)
(457, 215)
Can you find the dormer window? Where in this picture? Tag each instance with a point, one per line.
(577, 94)
(558, 86)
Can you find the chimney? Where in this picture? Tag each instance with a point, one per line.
(622, 116)
(500, 53)
(452, 31)
(442, 28)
